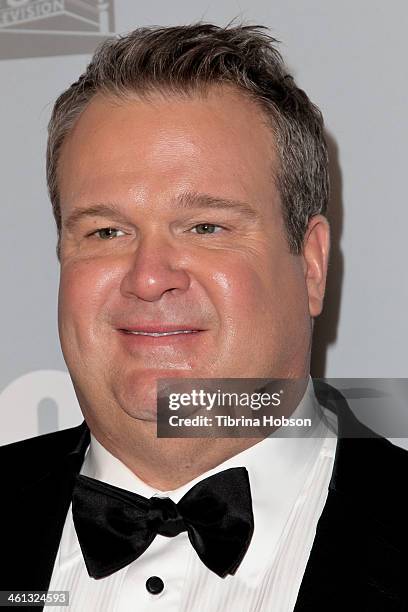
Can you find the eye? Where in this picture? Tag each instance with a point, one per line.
(206, 228)
(107, 233)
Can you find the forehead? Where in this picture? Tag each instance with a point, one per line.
(218, 139)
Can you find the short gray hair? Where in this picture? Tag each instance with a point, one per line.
(185, 59)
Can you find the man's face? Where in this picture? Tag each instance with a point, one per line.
(171, 222)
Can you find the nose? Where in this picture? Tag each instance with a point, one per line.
(154, 269)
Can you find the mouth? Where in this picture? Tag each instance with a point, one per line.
(160, 334)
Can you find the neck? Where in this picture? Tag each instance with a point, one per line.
(166, 464)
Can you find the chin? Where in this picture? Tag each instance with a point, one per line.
(147, 413)
(138, 399)
(137, 394)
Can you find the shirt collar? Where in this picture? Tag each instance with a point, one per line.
(277, 467)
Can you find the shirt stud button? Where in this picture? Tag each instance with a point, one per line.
(154, 585)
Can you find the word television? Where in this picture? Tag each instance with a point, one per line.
(18, 12)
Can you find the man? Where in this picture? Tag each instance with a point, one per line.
(188, 178)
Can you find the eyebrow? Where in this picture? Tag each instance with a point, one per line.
(185, 201)
(203, 200)
(96, 210)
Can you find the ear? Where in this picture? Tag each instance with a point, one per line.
(316, 246)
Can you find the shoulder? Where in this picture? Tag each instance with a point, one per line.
(367, 465)
(369, 473)
(381, 461)
(385, 462)
(26, 459)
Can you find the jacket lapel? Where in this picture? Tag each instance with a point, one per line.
(37, 516)
(358, 559)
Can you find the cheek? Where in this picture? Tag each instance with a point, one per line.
(249, 296)
(240, 296)
(84, 288)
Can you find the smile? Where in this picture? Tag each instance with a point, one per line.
(160, 334)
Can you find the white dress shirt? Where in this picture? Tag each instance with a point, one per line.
(289, 479)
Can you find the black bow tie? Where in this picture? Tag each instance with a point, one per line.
(115, 526)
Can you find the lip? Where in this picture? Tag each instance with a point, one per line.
(160, 328)
(137, 341)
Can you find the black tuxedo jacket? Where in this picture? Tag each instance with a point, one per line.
(358, 561)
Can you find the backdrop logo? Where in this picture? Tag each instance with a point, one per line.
(32, 28)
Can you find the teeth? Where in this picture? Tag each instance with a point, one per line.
(158, 334)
